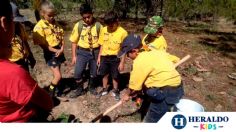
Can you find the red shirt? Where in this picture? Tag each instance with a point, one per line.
(16, 89)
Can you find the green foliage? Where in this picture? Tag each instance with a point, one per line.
(65, 5)
(58, 4)
(200, 9)
(208, 10)
(22, 4)
(191, 70)
(103, 5)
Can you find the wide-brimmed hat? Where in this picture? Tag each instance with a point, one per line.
(154, 23)
(132, 41)
(17, 17)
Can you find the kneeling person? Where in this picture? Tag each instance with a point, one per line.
(157, 73)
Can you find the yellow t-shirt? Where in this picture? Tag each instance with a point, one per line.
(153, 69)
(19, 50)
(111, 42)
(158, 44)
(82, 38)
(45, 33)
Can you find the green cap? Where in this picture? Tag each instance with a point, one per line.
(154, 23)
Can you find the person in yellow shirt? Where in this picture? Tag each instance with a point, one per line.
(50, 37)
(21, 53)
(153, 70)
(154, 39)
(110, 39)
(85, 49)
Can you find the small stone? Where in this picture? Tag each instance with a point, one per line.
(197, 79)
(233, 93)
(85, 102)
(91, 115)
(218, 108)
(222, 93)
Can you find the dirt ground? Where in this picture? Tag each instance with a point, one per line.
(205, 75)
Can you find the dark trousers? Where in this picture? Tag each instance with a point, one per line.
(85, 57)
(161, 101)
(109, 65)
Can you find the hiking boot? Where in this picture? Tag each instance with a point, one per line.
(93, 91)
(51, 90)
(75, 93)
(91, 87)
(104, 91)
(116, 94)
(78, 91)
(58, 93)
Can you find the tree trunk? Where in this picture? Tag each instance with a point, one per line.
(162, 4)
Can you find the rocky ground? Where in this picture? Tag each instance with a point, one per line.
(205, 75)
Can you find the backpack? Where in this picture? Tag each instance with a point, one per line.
(80, 27)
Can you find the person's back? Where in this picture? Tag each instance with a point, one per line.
(21, 53)
(20, 97)
(158, 43)
(16, 90)
(158, 72)
(154, 74)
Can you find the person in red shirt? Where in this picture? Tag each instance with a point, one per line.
(21, 100)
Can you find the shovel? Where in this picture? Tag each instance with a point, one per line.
(120, 102)
(106, 112)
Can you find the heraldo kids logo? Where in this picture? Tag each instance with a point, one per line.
(202, 122)
(179, 121)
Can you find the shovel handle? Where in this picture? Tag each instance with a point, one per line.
(106, 112)
(182, 60)
(112, 108)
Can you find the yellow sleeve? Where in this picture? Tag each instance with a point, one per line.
(38, 35)
(173, 58)
(125, 34)
(138, 76)
(62, 32)
(74, 37)
(101, 36)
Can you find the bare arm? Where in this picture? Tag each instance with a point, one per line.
(52, 49)
(99, 56)
(121, 65)
(73, 48)
(62, 45)
(60, 51)
(129, 94)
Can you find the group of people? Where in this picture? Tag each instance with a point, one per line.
(103, 48)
